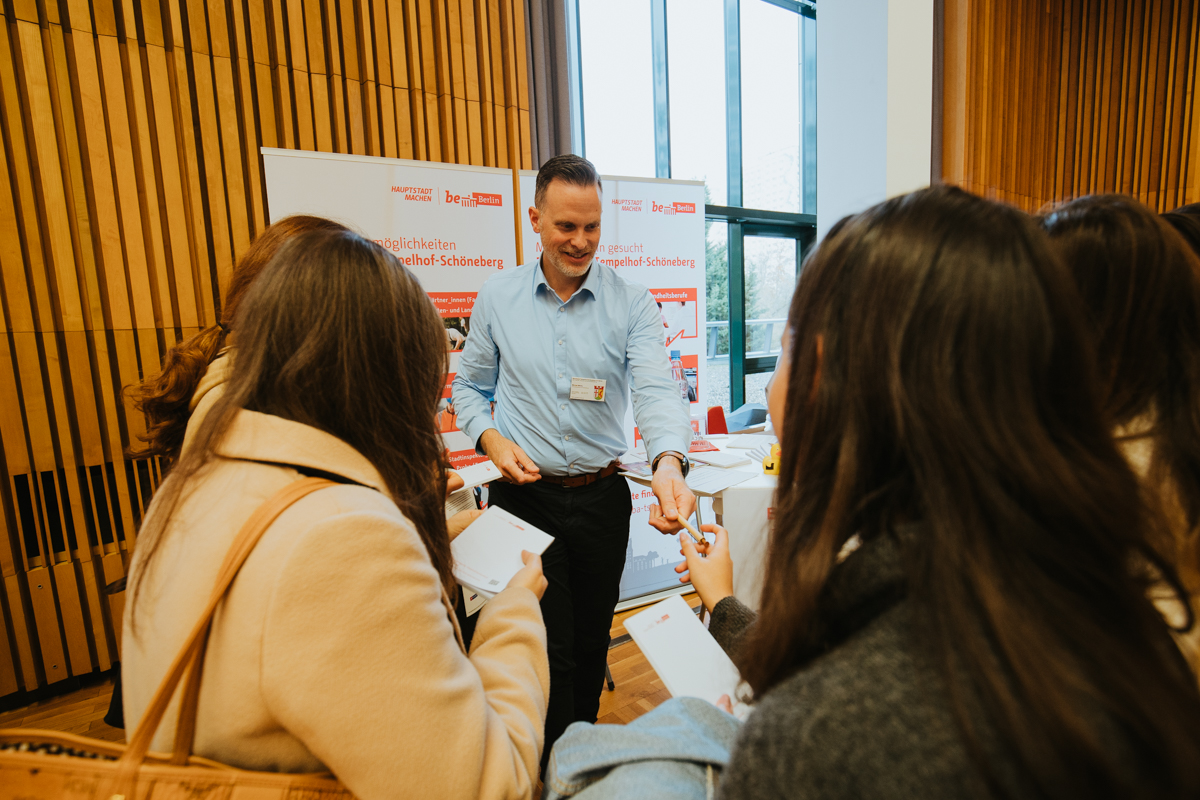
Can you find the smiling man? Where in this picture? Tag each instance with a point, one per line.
(562, 344)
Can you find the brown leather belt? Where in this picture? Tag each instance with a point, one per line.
(575, 481)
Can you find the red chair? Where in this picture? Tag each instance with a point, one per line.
(716, 420)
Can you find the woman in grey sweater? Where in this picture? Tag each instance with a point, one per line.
(951, 605)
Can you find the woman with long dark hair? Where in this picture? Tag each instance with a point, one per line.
(1140, 284)
(954, 602)
(336, 647)
(195, 367)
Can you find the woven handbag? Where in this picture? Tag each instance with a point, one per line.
(48, 765)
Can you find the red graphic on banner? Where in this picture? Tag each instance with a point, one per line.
(465, 458)
(673, 208)
(678, 295)
(680, 313)
(473, 200)
(453, 304)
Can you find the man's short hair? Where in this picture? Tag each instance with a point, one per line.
(568, 168)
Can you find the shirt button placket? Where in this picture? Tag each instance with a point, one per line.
(560, 360)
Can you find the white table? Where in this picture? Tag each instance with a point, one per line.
(745, 511)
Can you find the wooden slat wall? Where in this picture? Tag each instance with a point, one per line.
(1046, 100)
(131, 134)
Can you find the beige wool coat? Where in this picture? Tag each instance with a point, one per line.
(335, 648)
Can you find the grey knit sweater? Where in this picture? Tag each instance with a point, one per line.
(871, 717)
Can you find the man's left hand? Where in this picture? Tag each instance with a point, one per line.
(675, 499)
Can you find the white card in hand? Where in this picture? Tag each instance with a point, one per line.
(684, 654)
(478, 474)
(488, 552)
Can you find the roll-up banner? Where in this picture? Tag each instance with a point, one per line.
(452, 225)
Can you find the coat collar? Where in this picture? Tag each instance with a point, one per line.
(253, 436)
(217, 374)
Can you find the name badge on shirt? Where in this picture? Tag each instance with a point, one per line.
(590, 389)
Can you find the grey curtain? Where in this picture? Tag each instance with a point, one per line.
(550, 91)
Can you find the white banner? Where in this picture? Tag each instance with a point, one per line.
(652, 233)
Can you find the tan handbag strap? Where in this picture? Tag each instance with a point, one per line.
(191, 655)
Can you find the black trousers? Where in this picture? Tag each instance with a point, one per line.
(590, 526)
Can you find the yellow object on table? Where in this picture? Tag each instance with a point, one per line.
(771, 462)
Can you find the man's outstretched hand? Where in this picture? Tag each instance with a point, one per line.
(675, 499)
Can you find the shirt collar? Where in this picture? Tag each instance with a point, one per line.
(591, 282)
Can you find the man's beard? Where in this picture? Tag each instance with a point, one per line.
(569, 270)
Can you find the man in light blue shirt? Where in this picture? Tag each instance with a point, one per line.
(562, 344)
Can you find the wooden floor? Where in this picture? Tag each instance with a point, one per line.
(81, 711)
(638, 690)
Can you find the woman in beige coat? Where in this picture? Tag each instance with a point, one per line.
(336, 647)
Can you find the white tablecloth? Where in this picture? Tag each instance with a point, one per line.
(744, 510)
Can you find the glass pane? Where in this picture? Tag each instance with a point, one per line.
(696, 67)
(618, 88)
(770, 107)
(770, 281)
(756, 387)
(716, 276)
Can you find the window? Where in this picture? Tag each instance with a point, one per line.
(696, 72)
(618, 92)
(771, 67)
(722, 91)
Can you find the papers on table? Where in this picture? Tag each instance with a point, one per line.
(710, 480)
(488, 553)
(760, 453)
(721, 459)
(750, 441)
(638, 469)
(684, 654)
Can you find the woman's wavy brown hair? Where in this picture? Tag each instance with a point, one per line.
(165, 397)
(338, 335)
(941, 376)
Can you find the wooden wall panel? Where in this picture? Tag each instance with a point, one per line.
(1046, 100)
(129, 137)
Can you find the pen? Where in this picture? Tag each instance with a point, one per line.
(697, 535)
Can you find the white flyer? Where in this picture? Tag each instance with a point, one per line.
(684, 654)
(478, 474)
(488, 552)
